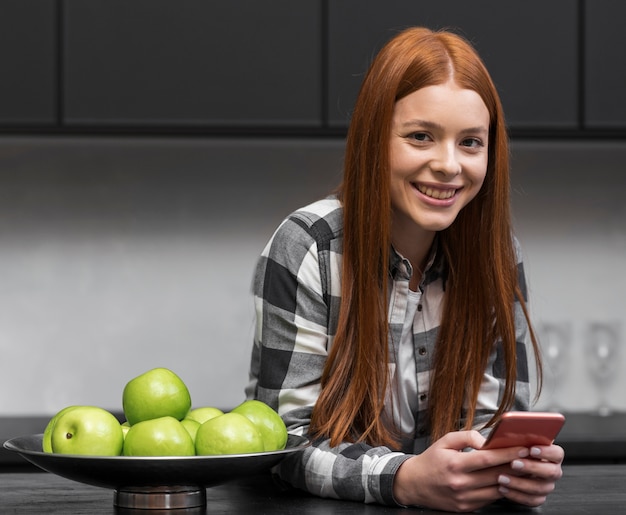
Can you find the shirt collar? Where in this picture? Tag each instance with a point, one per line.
(400, 267)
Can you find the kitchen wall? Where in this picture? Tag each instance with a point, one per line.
(148, 151)
(122, 254)
(571, 218)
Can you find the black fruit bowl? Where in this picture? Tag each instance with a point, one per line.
(153, 482)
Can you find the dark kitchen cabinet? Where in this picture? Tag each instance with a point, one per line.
(28, 40)
(529, 47)
(285, 67)
(605, 69)
(229, 63)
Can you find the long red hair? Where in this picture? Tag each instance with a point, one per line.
(478, 248)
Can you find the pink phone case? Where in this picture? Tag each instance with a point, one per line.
(525, 428)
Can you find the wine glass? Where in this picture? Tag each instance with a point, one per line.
(555, 341)
(602, 349)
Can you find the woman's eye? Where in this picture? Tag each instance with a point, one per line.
(420, 136)
(472, 142)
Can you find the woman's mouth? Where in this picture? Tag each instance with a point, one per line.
(438, 194)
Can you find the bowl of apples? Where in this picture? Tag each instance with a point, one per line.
(165, 454)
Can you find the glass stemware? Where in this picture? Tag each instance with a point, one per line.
(555, 340)
(602, 349)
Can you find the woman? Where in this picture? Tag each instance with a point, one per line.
(391, 318)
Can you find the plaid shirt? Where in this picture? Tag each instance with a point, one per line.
(297, 291)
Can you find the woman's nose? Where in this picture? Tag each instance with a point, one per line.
(447, 160)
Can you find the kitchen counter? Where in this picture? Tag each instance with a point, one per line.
(584, 489)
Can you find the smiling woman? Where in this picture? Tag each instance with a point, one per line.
(438, 153)
(391, 316)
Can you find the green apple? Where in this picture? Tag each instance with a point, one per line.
(154, 394)
(87, 430)
(125, 428)
(203, 414)
(47, 433)
(191, 426)
(164, 436)
(230, 433)
(269, 423)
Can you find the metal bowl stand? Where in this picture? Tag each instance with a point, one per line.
(160, 497)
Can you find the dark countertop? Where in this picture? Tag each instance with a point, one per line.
(589, 438)
(584, 489)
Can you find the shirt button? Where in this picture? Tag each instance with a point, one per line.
(423, 397)
(422, 351)
(419, 307)
(421, 431)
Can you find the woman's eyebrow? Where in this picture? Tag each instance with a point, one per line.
(420, 123)
(426, 124)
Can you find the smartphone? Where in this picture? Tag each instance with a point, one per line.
(525, 429)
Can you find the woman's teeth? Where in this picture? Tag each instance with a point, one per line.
(437, 194)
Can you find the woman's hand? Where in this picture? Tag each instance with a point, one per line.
(530, 480)
(444, 478)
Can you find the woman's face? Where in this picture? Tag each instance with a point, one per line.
(438, 151)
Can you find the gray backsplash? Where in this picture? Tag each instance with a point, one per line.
(119, 254)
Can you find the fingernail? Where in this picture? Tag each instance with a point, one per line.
(517, 465)
(503, 490)
(504, 480)
(535, 451)
(523, 453)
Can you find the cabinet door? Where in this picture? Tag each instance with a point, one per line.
(529, 48)
(605, 64)
(192, 63)
(27, 53)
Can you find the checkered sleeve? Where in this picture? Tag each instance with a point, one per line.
(296, 294)
(291, 334)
